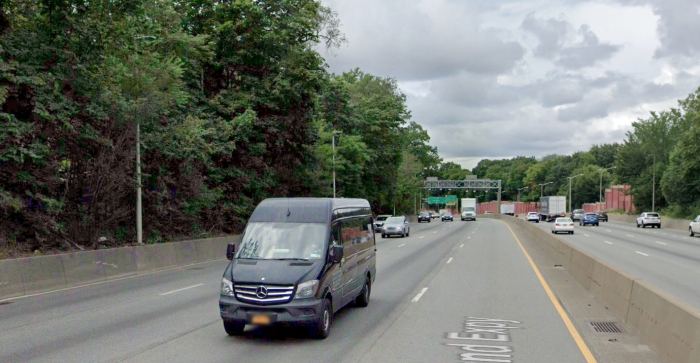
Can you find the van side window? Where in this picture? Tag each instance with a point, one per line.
(352, 231)
(335, 234)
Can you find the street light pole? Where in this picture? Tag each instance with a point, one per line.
(139, 220)
(523, 188)
(570, 179)
(542, 188)
(653, 185)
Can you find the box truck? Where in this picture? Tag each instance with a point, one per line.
(468, 209)
(552, 207)
(508, 208)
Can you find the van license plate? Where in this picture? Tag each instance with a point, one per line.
(260, 320)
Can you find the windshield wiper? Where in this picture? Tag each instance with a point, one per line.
(291, 259)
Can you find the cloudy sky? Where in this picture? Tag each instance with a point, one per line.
(492, 79)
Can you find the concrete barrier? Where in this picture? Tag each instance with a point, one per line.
(43, 273)
(669, 326)
(10, 279)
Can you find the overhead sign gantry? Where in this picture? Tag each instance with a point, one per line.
(469, 183)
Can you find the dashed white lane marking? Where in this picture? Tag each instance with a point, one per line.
(586, 235)
(421, 237)
(469, 237)
(434, 232)
(629, 235)
(608, 230)
(608, 242)
(462, 245)
(179, 290)
(449, 260)
(642, 253)
(419, 295)
(661, 243)
(401, 245)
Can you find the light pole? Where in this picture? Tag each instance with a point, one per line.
(570, 179)
(523, 188)
(542, 188)
(600, 190)
(333, 146)
(139, 212)
(653, 185)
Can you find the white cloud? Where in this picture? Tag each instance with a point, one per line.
(525, 77)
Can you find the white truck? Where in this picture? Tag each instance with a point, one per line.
(552, 207)
(468, 209)
(508, 208)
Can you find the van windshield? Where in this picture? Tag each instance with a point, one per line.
(283, 241)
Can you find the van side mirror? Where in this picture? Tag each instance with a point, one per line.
(336, 253)
(230, 251)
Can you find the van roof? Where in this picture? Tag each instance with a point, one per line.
(305, 210)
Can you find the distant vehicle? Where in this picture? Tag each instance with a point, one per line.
(552, 207)
(508, 209)
(379, 222)
(589, 219)
(300, 260)
(564, 224)
(694, 226)
(577, 214)
(396, 226)
(602, 216)
(649, 219)
(533, 217)
(434, 215)
(468, 215)
(447, 217)
(424, 217)
(469, 205)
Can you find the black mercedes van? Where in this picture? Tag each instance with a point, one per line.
(299, 261)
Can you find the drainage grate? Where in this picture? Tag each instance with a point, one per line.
(605, 327)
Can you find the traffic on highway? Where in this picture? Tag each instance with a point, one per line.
(350, 181)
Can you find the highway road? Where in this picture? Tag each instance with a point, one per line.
(449, 290)
(667, 259)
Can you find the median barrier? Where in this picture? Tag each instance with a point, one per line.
(81, 267)
(155, 257)
(10, 279)
(44, 273)
(117, 262)
(669, 326)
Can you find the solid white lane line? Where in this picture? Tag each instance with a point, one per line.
(401, 245)
(608, 242)
(419, 295)
(182, 289)
(462, 245)
(661, 243)
(449, 260)
(642, 253)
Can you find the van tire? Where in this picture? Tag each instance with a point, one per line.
(234, 327)
(321, 328)
(692, 234)
(362, 300)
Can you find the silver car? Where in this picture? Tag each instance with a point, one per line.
(396, 226)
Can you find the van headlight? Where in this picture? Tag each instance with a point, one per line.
(306, 289)
(226, 287)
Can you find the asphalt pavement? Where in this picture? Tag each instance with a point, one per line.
(450, 291)
(664, 258)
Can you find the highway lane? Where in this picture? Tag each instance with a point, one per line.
(665, 259)
(469, 269)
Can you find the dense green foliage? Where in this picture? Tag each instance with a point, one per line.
(233, 102)
(663, 147)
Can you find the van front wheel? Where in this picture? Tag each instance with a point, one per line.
(321, 328)
(362, 300)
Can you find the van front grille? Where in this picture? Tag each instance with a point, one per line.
(263, 294)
